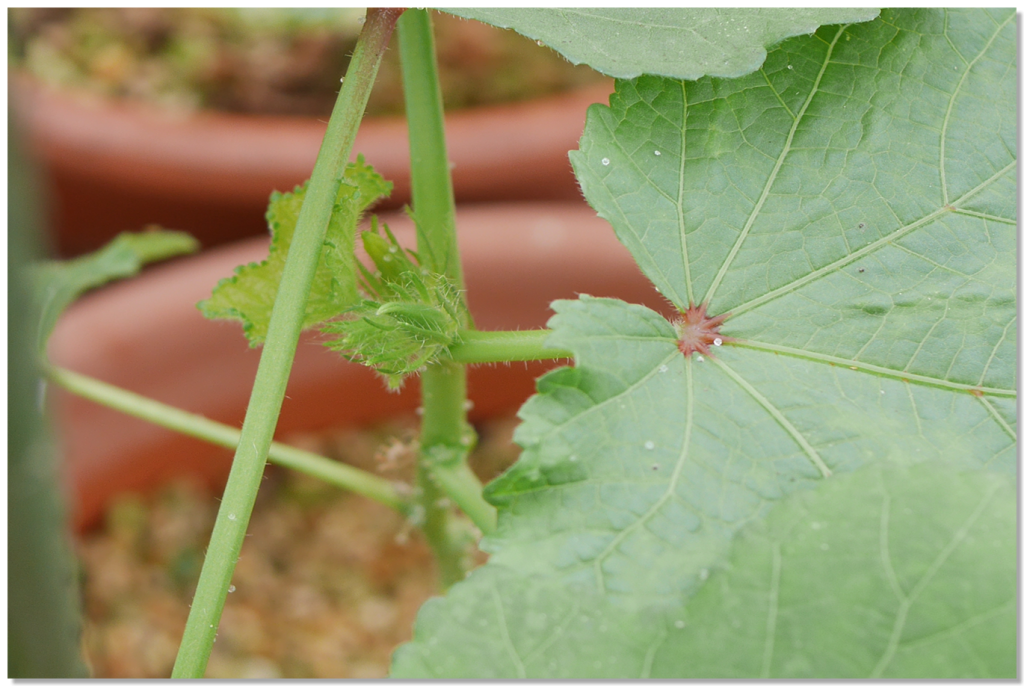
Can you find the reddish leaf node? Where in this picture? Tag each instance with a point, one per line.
(698, 332)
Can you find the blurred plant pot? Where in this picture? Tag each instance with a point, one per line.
(116, 166)
(146, 335)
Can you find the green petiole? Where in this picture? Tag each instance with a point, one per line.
(335, 473)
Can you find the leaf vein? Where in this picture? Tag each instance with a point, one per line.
(669, 491)
(940, 559)
(869, 248)
(777, 415)
(503, 624)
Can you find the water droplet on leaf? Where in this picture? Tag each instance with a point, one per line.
(606, 161)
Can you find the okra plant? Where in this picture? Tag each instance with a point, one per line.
(810, 472)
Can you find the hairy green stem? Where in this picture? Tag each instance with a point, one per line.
(482, 347)
(335, 473)
(445, 437)
(444, 430)
(465, 490)
(279, 349)
(433, 200)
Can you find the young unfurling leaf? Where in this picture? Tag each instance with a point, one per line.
(387, 255)
(410, 317)
(415, 316)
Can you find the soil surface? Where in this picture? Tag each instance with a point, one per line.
(328, 583)
(267, 61)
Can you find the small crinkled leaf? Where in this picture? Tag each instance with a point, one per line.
(852, 206)
(58, 283)
(684, 43)
(888, 572)
(249, 295)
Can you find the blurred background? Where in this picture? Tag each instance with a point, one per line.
(189, 118)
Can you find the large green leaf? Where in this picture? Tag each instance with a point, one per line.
(853, 205)
(891, 573)
(670, 41)
(888, 573)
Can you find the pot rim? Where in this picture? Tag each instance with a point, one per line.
(232, 157)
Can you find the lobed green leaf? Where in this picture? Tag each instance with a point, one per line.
(851, 204)
(249, 295)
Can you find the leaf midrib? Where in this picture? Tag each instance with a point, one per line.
(770, 181)
(857, 365)
(669, 490)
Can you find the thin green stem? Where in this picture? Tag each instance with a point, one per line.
(279, 349)
(335, 473)
(482, 347)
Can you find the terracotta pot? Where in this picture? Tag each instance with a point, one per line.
(146, 335)
(116, 167)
